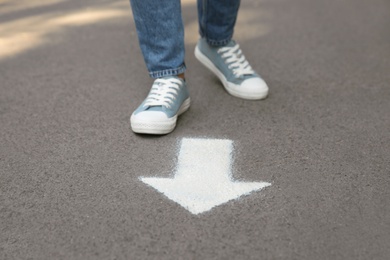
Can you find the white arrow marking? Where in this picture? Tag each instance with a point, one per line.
(203, 176)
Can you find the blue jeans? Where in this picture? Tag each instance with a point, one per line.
(161, 31)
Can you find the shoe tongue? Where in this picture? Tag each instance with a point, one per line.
(232, 43)
(173, 77)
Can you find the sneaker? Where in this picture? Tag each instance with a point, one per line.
(230, 66)
(167, 99)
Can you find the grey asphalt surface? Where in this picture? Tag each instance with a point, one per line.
(70, 165)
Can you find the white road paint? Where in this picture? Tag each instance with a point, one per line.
(203, 176)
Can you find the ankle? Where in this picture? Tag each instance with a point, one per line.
(182, 76)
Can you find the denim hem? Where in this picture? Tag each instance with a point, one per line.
(167, 72)
(218, 43)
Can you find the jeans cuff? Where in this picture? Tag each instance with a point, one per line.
(167, 72)
(218, 43)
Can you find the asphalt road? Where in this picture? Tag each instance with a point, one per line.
(71, 73)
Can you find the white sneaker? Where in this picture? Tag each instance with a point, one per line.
(230, 66)
(158, 113)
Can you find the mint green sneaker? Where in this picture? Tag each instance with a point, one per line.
(158, 113)
(230, 66)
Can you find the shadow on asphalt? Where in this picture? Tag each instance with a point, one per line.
(28, 25)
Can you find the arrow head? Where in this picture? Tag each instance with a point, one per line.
(201, 197)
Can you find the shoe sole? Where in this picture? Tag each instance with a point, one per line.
(158, 128)
(227, 85)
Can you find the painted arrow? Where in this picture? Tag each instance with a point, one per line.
(203, 176)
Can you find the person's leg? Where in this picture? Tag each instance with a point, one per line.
(222, 55)
(217, 19)
(161, 35)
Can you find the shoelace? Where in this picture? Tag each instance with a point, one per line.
(163, 92)
(236, 60)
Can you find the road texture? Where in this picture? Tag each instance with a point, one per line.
(71, 73)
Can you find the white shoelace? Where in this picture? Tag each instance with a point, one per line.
(236, 60)
(163, 92)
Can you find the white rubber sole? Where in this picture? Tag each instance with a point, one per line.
(158, 127)
(231, 88)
